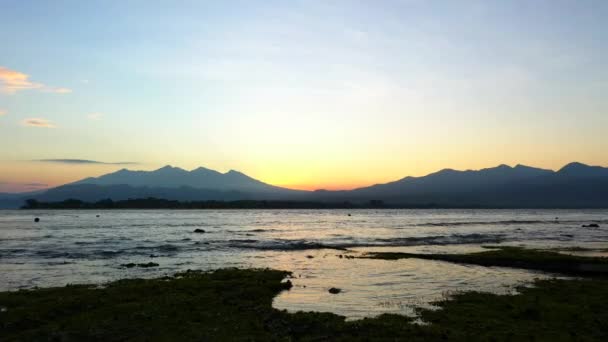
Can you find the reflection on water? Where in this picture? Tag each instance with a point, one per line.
(79, 247)
(372, 287)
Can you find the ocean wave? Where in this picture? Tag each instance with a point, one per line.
(503, 222)
(287, 245)
(284, 245)
(161, 248)
(454, 239)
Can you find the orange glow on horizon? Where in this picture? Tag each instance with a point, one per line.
(25, 176)
(324, 186)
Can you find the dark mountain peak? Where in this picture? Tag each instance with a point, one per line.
(235, 173)
(169, 171)
(118, 172)
(524, 170)
(204, 171)
(169, 168)
(500, 168)
(442, 172)
(574, 166)
(577, 169)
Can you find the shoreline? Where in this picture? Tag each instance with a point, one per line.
(236, 304)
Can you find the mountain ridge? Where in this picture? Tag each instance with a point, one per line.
(172, 177)
(574, 185)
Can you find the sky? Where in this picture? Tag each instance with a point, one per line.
(303, 94)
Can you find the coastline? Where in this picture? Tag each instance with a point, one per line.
(236, 304)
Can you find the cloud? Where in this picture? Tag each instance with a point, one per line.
(10, 187)
(12, 81)
(36, 185)
(2, 112)
(58, 90)
(37, 122)
(95, 116)
(82, 162)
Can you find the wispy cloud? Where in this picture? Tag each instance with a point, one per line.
(37, 122)
(12, 81)
(10, 187)
(82, 162)
(2, 112)
(36, 185)
(95, 116)
(58, 90)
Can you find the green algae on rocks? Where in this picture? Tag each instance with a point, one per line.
(236, 304)
(516, 257)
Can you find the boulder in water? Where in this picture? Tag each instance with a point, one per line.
(592, 225)
(334, 290)
(36, 219)
(198, 230)
(287, 284)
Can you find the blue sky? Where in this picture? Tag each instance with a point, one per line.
(307, 94)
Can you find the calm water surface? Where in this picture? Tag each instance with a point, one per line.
(79, 247)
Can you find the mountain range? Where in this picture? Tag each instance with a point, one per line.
(575, 185)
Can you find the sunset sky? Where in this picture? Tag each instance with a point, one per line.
(304, 94)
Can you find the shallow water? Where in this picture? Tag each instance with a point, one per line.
(79, 247)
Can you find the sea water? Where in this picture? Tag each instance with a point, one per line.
(89, 246)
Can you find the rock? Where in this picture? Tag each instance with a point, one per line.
(592, 225)
(198, 230)
(310, 256)
(349, 215)
(36, 219)
(335, 290)
(96, 215)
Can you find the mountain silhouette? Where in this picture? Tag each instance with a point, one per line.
(576, 185)
(579, 170)
(174, 177)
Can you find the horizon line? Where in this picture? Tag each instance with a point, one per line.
(295, 187)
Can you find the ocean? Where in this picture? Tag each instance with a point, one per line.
(90, 247)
